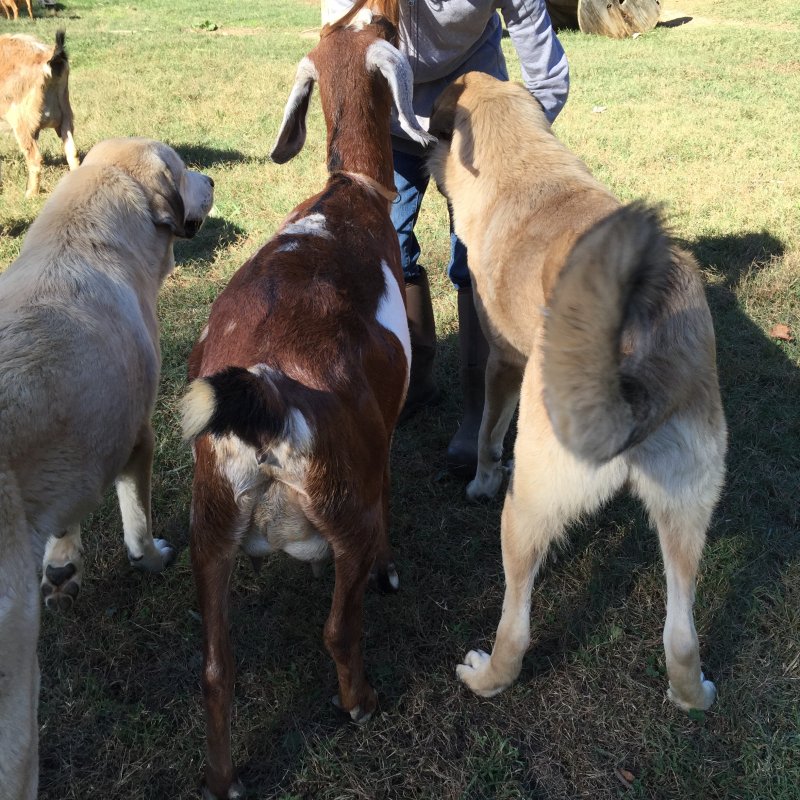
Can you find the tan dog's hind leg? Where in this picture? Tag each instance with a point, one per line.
(62, 569)
(133, 492)
(680, 489)
(502, 394)
(550, 488)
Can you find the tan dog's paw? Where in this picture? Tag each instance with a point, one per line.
(158, 559)
(702, 702)
(61, 584)
(476, 672)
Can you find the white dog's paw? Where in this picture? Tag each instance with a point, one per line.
(486, 483)
(61, 584)
(476, 673)
(702, 702)
(156, 560)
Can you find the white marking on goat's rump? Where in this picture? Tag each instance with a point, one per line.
(312, 225)
(392, 311)
(288, 247)
(230, 327)
(238, 464)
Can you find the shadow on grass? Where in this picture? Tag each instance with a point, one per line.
(15, 227)
(216, 234)
(199, 156)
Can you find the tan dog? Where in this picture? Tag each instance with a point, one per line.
(599, 325)
(79, 367)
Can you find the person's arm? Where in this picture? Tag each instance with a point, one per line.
(544, 64)
(335, 9)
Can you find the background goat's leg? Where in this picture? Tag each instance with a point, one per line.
(65, 132)
(33, 158)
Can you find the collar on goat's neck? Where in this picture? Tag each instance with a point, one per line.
(390, 194)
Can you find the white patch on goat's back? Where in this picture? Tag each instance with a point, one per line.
(392, 311)
(288, 247)
(230, 327)
(312, 225)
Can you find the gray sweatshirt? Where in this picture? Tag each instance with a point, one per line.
(446, 38)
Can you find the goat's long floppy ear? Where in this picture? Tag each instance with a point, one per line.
(395, 68)
(292, 135)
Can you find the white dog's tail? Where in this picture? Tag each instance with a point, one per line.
(603, 389)
(245, 403)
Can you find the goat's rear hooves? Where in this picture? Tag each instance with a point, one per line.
(386, 580)
(359, 715)
(486, 484)
(702, 702)
(60, 586)
(235, 792)
(160, 558)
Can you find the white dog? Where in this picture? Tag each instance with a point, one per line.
(79, 368)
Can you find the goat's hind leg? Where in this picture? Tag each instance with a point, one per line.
(65, 131)
(354, 555)
(62, 569)
(33, 157)
(133, 492)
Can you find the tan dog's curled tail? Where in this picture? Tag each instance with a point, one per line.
(597, 395)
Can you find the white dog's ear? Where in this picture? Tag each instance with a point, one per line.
(292, 135)
(166, 204)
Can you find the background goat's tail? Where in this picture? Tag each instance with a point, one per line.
(59, 61)
(600, 401)
(239, 402)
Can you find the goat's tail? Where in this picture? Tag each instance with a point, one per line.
(59, 61)
(601, 402)
(245, 403)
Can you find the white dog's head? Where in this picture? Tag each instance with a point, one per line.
(179, 198)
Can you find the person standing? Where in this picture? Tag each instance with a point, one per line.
(442, 40)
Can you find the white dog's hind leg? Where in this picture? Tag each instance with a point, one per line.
(502, 394)
(19, 666)
(62, 569)
(133, 491)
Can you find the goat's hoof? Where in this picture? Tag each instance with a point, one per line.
(358, 714)
(60, 586)
(162, 555)
(235, 792)
(387, 581)
(486, 483)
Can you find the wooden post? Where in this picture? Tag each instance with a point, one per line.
(615, 18)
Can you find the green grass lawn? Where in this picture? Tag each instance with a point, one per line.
(702, 116)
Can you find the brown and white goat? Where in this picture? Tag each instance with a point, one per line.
(299, 378)
(34, 95)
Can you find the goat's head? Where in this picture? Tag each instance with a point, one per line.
(360, 73)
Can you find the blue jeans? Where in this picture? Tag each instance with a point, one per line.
(411, 178)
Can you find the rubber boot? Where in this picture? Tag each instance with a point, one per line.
(422, 390)
(473, 349)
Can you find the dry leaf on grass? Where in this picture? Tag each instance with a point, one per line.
(625, 777)
(782, 332)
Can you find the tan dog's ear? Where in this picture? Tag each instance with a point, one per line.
(443, 119)
(166, 205)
